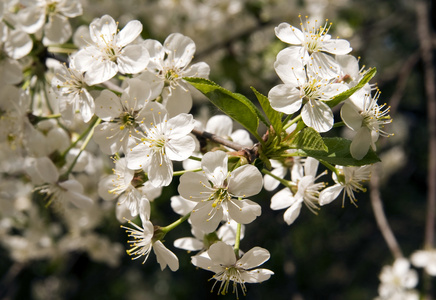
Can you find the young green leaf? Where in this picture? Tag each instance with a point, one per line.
(237, 106)
(274, 116)
(346, 94)
(308, 139)
(338, 153)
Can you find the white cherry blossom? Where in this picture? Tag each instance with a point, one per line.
(219, 193)
(397, 281)
(121, 116)
(362, 114)
(143, 242)
(350, 180)
(425, 259)
(303, 86)
(162, 141)
(43, 171)
(111, 51)
(312, 43)
(231, 270)
(57, 30)
(304, 190)
(71, 90)
(169, 63)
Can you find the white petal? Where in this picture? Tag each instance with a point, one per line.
(103, 29)
(336, 46)
(420, 258)
(289, 34)
(292, 213)
(133, 59)
(360, 145)
(329, 194)
(282, 199)
(243, 211)
(160, 170)
(129, 33)
(271, 183)
(253, 258)
(200, 69)
(18, 44)
(189, 244)
(75, 194)
(165, 257)
(222, 254)
(180, 125)
(206, 217)
(180, 149)
(31, 18)
(41, 170)
(182, 206)
(181, 49)
(104, 185)
(242, 137)
(177, 100)
(108, 106)
(245, 181)
(256, 276)
(137, 156)
(203, 261)
(285, 98)
(192, 186)
(317, 115)
(87, 105)
(104, 136)
(289, 66)
(215, 166)
(311, 167)
(221, 125)
(351, 116)
(57, 30)
(101, 71)
(325, 64)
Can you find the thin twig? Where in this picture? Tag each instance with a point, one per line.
(218, 139)
(380, 216)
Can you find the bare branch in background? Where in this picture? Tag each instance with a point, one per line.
(425, 40)
(377, 206)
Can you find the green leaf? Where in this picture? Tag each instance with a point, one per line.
(308, 139)
(237, 106)
(346, 94)
(339, 153)
(274, 116)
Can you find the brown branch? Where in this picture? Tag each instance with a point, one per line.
(425, 41)
(377, 207)
(218, 139)
(426, 48)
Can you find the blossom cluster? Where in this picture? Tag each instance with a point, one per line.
(132, 97)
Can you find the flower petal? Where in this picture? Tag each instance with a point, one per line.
(165, 257)
(285, 98)
(129, 33)
(360, 145)
(318, 115)
(289, 34)
(253, 258)
(292, 213)
(245, 181)
(222, 254)
(243, 211)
